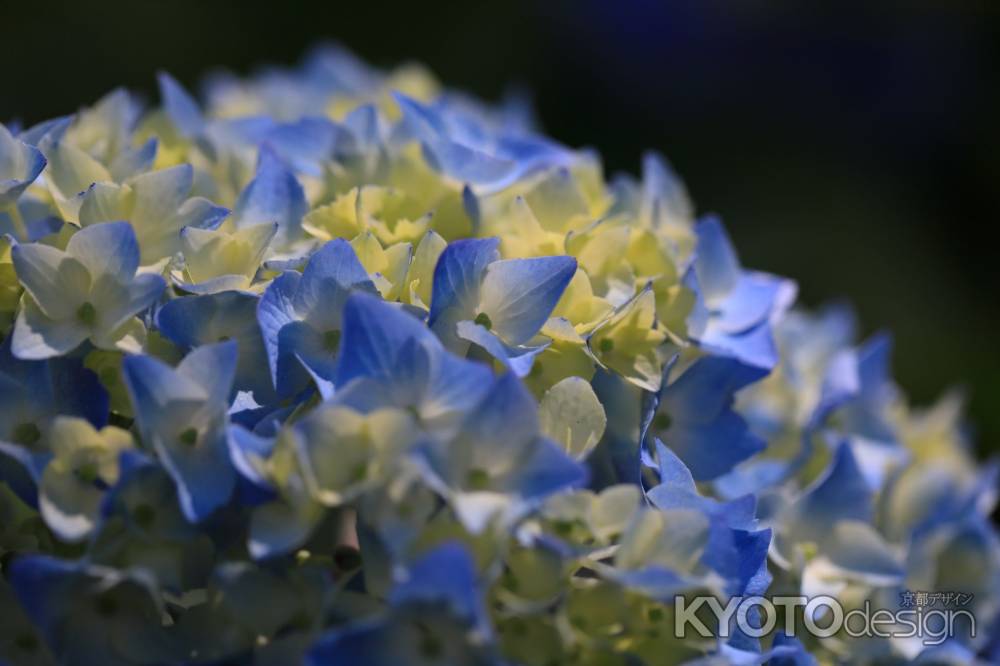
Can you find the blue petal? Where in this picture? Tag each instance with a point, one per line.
(54, 128)
(459, 273)
(740, 557)
(532, 152)
(305, 143)
(448, 385)
(840, 494)
(200, 386)
(664, 197)
(302, 343)
(37, 337)
(39, 221)
(245, 448)
(39, 268)
(864, 414)
(704, 431)
(520, 294)
(134, 161)
(754, 347)
(181, 108)
(109, 248)
(213, 367)
(199, 320)
(707, 387)
(420, 119)
(841, 383)
(245, 131)
(204, 476)
(753, 477)
(60, 597)
(716, 264)
(518, 359)
(202, 214)
(27, 157)
(77, 391)
(374, 332)
(275, 312)
(508, 414)
(274, 195)
(455, 159)
(457, 278)
(331, 274)
(363, 124)
(363, 642)
(469, 165)
(42, 584)
(873, 367)
(21, 470)
(152, 384)
(750, 301)
(711, 449)
(38, 390)
(439, 387)
(445, 574)
(318, 298)
(550, 470)
(140, 294)
(677, 490)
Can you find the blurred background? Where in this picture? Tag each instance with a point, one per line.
(855, 148)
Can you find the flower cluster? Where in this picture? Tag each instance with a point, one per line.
(339, 367)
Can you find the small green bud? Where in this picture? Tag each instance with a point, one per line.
(477, 479)
(26, 434)
(483, 320)
(331, 341)
(87, 314)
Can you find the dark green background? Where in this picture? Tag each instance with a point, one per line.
(856, 149)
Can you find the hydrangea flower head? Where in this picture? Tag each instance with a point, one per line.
(336, 366)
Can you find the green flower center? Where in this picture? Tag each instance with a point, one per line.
(477, 479)
(86, 473)
(144, 515)
(431, 646)
(606, 345)
(86, 314)
(331, 341)
(358, 473)
(26, 434)
(188, 437)
(483, 320)
(563, 527)
(662, 421)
